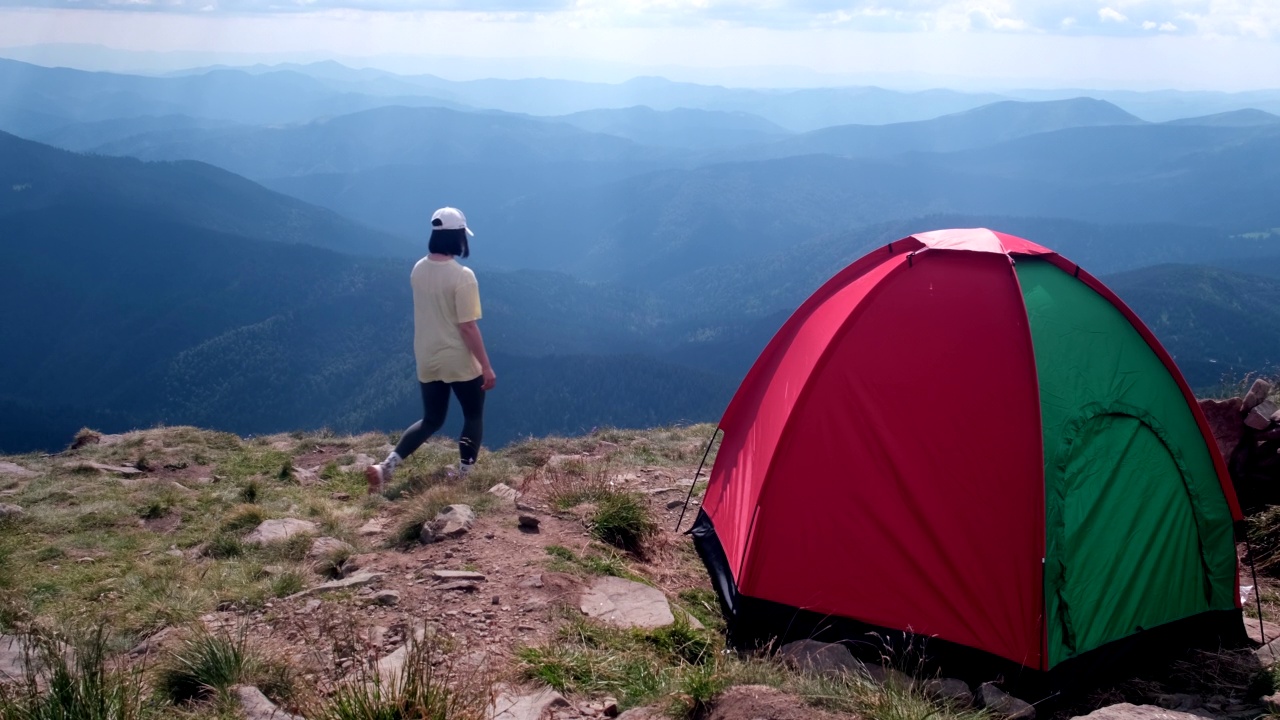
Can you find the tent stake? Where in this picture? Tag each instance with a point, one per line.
(694, 484)
(1257, 591)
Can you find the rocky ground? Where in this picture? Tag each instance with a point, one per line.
(551, 583)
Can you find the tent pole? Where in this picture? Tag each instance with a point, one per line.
(694, 484)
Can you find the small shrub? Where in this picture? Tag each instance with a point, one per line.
(292, 549)
(78, 683)
(697, 688)
(335, 563)
(682, 641)
(224, 545)
(204, 665)
(285, 474)
(243, 517)
(250, 491)
(155, 509)
(426, 688)
(287, 583)
(85, 437)
(573, 484)
(623, 520)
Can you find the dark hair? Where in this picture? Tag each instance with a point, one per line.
(449, 242)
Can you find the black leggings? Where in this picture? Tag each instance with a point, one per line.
(435, 406)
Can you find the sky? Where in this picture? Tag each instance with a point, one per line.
(967, 44)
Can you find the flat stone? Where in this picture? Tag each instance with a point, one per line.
(509, 705)
(1127, 711)
(256, 706)
(950, 691)
(529, 522)
(457, 575)
(8, 510)
(113, 469)
(375, 526)
(358, 580)
(1258, 393)
(13, 652)
(819, 657)
(627, 604)
(467, 585)
(16, 470)
(280, 529)
(387, 598)
(674, 503)
(504, 492)
(1002, 704)
(1260, 633)
(1268, 654)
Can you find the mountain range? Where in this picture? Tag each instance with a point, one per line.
(230, 248)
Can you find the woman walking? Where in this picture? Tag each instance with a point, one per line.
(447, 346)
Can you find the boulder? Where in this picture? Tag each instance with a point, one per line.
(386, 598)
(16, 470)
(8, 510)
(1127, 711)
(1268, 654)
(375, 526)
(1272, 703)
(1001, 704)
(453, 521)
(276, 530)
(949, 691)
(325, 547)
(509, 705)
(627, 604)
(819, 658)
(255, 706)
(1258, 393)
(305, 477)
(1223, 417)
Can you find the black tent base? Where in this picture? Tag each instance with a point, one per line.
(756, 625)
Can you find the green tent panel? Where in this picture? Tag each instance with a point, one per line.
(1137, 530)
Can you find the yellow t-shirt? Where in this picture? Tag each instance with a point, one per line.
(444, 294)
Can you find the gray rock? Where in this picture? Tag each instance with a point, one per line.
(952, 692)
(325, 547)
(1127, 711)
(10, 511)
(306, 478)
(276, 530)
(386, 597)
(1179, 701)
(818, 657)
(457, 575)
(627, 604)
(256, 706)
(1268, 654)
(453, 521)
(674, 503)
(361, 462)
(13, 653)
(508, 705)
(358, 580)
(888, 677)
(16, 470)
(375, 526)
(529, 522)
(1002, 704)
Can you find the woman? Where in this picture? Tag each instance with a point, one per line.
(447, 345)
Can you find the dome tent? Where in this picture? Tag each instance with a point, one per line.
(965, 437)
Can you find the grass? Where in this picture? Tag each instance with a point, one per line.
(206, 665)
(427, 687)
(74, 683)
(591, 563)
(623, 520)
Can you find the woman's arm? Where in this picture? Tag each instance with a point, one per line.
(470, 332)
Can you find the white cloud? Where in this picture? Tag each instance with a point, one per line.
(1148, 25)
(1108, 14)
(1168, 27)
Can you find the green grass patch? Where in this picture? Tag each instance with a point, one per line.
(76, 682)
(428, 687)
(623, 520)
(206, 664)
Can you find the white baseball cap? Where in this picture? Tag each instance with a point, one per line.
(448, 218)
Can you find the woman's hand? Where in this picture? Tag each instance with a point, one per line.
(490, 379)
